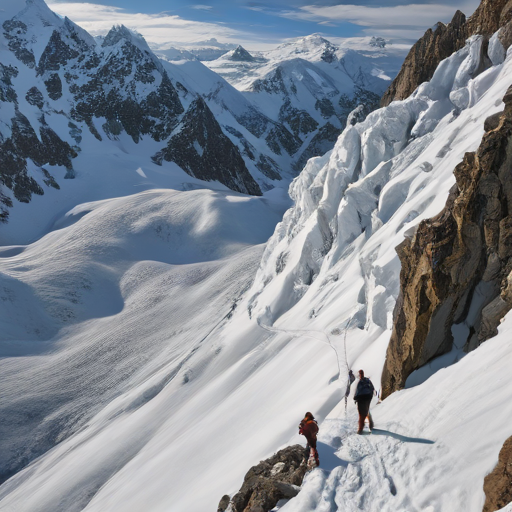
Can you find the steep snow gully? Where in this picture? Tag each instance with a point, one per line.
(154, 349)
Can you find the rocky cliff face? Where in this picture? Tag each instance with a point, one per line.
(268, 482)
(201, 149)
(441, 41)
(498, 483)
(457, 266)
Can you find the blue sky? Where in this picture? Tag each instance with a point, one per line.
(261, 24)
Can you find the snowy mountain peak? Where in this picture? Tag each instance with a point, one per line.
(378, 42)
(313, 40)
(119, 35)
(120, 32)
(32, 11)
(241, 55)
(313, 43)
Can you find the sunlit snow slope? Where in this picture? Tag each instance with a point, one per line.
(164, 377)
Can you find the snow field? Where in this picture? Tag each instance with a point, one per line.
(101, 284)
(158, 378)
(431, 447)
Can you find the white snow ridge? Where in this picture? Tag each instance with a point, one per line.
(156, 343)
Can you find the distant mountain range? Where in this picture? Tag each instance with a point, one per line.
(247, 122)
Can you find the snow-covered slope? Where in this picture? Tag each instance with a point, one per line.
(163, 395)
(356, 204)
(62, 91)
(311, 85)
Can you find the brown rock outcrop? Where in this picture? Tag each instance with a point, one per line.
(436, 45)
(425, 56)
(498, 483)
(489, 16)
(468, 246)
(268, 482)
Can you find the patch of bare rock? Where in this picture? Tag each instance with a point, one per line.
(273, 479)
(498, 483)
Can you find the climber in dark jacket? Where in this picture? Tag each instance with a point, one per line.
(309, 429)
(363, 398)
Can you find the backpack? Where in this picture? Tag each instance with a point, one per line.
(365, 387)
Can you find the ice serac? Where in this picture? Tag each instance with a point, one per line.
(201, 149)
(440, 42)
(497, 484)
(457, 266)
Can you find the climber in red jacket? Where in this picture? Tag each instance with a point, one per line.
(309, 429)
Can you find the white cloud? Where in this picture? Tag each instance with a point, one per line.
(202, 7)
(402, 21)
(400, 15)
(156, 28)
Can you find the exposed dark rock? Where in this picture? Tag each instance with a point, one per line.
(322, 142)
(329, 55)
(223, 503)
(505, 36)
(5, 203)
(156, 115)
(273, 84)
(202, 150)
(54, 86)
(50, 180)
(254, 121)
(55, 54)
(439, 43)
(326, 108)
(498, 483)
(24, 144)
(14, 30)
(268, 167)
(368, 100)
(492, 122)
(468, 245)
(35, 97)
(268, 482)
(489, 17)
(7, 92)
(299, 121)
(279, 138)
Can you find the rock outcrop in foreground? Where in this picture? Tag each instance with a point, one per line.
(268, 482)
(498, 483)
(460, 258)
(441, 41)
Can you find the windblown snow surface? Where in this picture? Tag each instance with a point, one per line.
(146, 373)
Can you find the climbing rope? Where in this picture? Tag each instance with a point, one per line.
(308, 333)
(350, 375)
